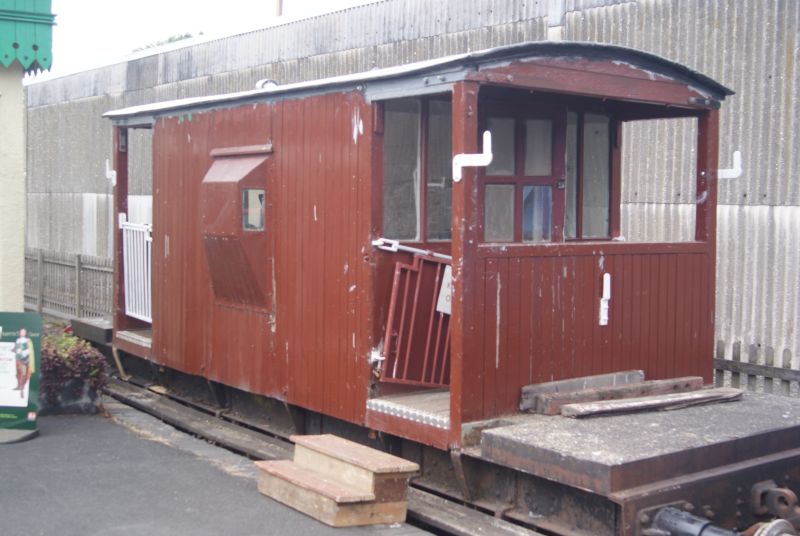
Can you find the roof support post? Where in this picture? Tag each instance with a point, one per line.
(465, 367)
(707, 164)
(120, 207)
(706, 222)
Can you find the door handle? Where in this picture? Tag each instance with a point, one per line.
(605, 299)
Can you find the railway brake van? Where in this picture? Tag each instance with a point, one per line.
(314, 243)
(308, 241)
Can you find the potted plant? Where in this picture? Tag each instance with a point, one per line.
(73, 373)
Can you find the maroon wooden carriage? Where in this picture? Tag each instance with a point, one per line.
(266, 204)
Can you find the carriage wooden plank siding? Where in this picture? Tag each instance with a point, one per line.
(307, 345)
(541, 319)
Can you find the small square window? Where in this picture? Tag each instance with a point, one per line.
(253, 209)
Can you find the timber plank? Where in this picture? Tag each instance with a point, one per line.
(529, 392)
(236, 438)
(662, 402)
(314, 481)
(458, 520)
(551, 403)
(355, 454)
(324, 507)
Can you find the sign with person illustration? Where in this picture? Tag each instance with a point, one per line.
(20, 350)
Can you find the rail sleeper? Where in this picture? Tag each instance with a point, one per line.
(339, 482)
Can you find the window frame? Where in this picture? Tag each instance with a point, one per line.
(522, 112)
(262, 209)
(424, 179)
(614, 175)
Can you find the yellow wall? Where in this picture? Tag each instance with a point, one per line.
(12, 188)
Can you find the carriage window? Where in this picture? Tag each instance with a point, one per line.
(588, 185)
(252, 209)
(417, 164)
(498, 225)
(502, 130)
(596, 176)
(538, 147)
(537, 202)
(401, 141)
(440, 180)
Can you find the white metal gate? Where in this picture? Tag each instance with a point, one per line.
(137, 254)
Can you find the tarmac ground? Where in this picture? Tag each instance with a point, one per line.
(127, 473)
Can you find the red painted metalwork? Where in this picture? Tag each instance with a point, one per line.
(416, 346)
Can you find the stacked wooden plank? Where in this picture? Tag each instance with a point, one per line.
(619, 392)
(339, 482)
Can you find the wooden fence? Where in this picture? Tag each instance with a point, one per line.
(758, 368)
(68, 285)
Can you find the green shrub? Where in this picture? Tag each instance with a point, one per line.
(66, 358)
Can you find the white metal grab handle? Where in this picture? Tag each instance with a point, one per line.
(604, 305)
(736, 171)
(463, 160)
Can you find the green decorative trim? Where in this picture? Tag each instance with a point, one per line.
(26, 34)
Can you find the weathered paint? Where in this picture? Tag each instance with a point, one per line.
(306, 345)
(541, 317)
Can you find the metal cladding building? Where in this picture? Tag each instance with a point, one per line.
(750, 46)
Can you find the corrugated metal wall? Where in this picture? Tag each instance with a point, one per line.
(749, 45)
(752, 47)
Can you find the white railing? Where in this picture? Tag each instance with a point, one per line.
(136, 257)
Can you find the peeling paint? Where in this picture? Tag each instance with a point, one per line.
(274, 321)
(352, 288)
(358, 124)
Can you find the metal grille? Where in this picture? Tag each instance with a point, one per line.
(417, 343)
(136, 249)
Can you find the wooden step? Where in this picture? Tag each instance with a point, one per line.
(358, 466)
(323, 498)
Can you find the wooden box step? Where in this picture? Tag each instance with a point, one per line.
(339, 482)
(356, 465)
(323, 498)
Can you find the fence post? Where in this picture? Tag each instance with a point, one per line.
(78, 270)
(39, 280)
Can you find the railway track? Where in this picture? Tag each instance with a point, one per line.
(257, 442)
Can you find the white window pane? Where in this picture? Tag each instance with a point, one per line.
(596, 176)
(498, 222)
(502, 130)
(537, 205)
(538, 147)
(570, 214)
(440, 157)
(252, 209)
(401, 169)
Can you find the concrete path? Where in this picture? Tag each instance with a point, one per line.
(130, 474)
